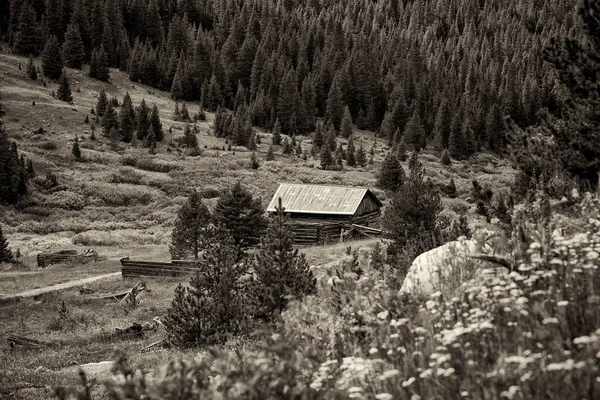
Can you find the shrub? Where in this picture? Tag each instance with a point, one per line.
(66, 200)
(48, 145)
(126, 175)
(153, 165)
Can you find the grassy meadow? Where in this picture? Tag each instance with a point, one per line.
(122, 201)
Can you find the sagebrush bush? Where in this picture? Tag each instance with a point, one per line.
(66, 200)
(126, 175)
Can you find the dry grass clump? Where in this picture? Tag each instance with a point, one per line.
(120, 236)
(117, 195)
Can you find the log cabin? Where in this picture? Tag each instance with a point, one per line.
(322, 214)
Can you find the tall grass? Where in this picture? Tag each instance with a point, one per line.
(530, 334)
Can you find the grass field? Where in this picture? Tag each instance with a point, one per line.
(122, 202)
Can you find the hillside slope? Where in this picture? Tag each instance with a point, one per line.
(89, 208)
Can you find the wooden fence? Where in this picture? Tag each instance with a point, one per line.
(64, 256)
(131, 268)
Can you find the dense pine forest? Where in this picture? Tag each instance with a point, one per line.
(448, 74)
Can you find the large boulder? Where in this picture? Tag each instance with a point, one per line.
(450, 264)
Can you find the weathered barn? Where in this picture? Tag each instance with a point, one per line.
(325, 214)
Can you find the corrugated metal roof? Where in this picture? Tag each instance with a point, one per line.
(319, 199)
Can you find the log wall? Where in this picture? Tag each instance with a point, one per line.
(130, 268)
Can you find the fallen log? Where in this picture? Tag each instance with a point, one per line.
(153, 345)
(22, 341)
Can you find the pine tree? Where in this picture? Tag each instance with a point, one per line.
(414, 210)
(5, 253)
(457, 144)
(31, 70)
(318, 139)
(254, 164)
(28, 35)
(9, 170)
(110, 121)
(156, 124)
(52, 64)
(335, 104)
(142, 121)
(401, 152)
(361, 156)
(326, 157)
(445, 158)
(252, 142)
(76, 151)
(346, 124)
(215, 306)
(185, 115)
(287, 148)
(270, 154)
(414, 132)
(242, 215)
(495, 129)
(99, 65)
(276, 134)
(64, 89)
(280, 270)
(73, 52)
(188, 237)
(189, 137)
(101, 103)
(391, 175)
(350, 151)
(127, 121)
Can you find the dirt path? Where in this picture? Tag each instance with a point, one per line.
(61, 286)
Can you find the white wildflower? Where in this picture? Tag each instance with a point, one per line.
(408, 382)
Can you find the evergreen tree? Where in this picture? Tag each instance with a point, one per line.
(189, 137)
(101, 103)
(326, 157)
(350, 151)
(445, 158)
(270, 154)
(414, 132)
(254, 164)
(99, 65)
(156, 124)
(9, 170)
(5, 253)
(242, 215)
(391, 175)
(457, 144)
(287, 148)
(346, 125)
(127, 119)
(73, 52)
(401, 152)
(142, 121)
(185, 115)
(31, 70)
(318, 139)
(76, 151)
(188, 236)
(335, 104)
(495, 129)
(110, 121)
(52, 64)
(215, 306)
(252, 142)
(414, 210)
(276, 134)
(28, 34)
(361, 156)
(280, 270)
(64, 89)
